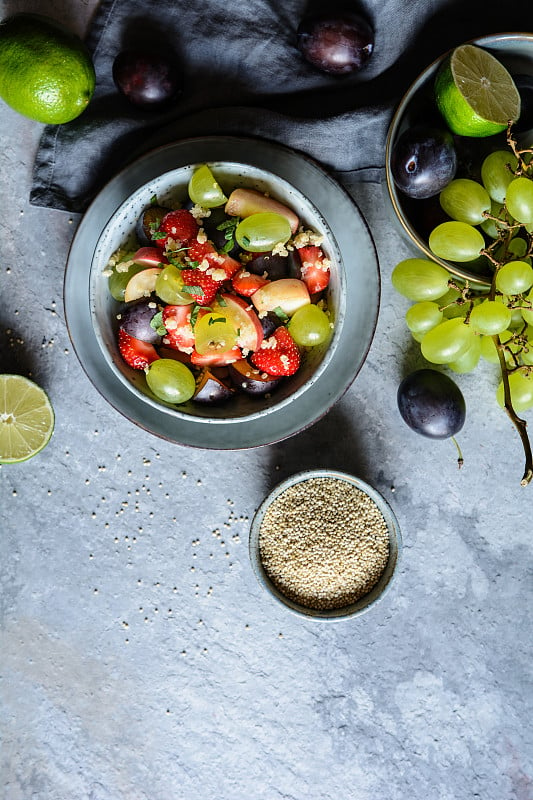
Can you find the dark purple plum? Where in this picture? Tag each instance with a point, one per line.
(423, 161)
(147, 79)
(269, 322)
(431, 404)
(218, 237)
(135, 319)
(210, 389)
(524, 84)
(250, 380)
(336, 43)
(149, 217)
(275, 266)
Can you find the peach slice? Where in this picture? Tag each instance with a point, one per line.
(142, 284)
(289, 294)
(245, 202)
(149, 257)
(245, 320)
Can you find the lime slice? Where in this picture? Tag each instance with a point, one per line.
(26, 419)
(204, 190)
(475, 93)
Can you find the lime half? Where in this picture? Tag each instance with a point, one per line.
(26, 419)
(475, 93)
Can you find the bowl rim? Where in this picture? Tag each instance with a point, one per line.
(366, 602)
(298, 170)
(396, 119)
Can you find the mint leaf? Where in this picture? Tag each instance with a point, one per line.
(279, 312)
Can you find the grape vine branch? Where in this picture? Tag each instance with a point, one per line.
(507, 231)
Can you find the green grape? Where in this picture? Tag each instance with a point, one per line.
(215, 332)
(447, 342)
(496, 174)
(490, 226)
(490, 317)
(521, 388)
(168, 287)
(119, 279)
(515, 277)
(527, 354)
(171, 380)
(309, 326)
(527, 313)
(489, 351)
(204, 190)
(420, 279)
(259, 233)
(456, 241)
(519, 199)
(423, 316)
(469, 360)
(517, 320)
(450, 307)
(465, 200)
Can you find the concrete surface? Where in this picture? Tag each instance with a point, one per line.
(140, 660)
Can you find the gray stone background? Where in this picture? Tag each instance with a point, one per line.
(140, 659)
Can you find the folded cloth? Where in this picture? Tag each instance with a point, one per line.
(243, 74)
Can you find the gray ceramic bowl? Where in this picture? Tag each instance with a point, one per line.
(353, 293)
(364, 603)
(416, 218)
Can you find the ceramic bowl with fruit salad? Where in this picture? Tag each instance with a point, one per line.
(436, 176)
(232, 295)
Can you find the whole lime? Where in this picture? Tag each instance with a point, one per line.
(46, 72)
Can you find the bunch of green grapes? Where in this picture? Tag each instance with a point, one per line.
(456, 324)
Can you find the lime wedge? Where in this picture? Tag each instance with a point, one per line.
(475, 93)
(204, 189)
(26, 419)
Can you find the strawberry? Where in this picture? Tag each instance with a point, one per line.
(222, 261)
(203, 288)
(246, 283)
(315, 268)
(177, 321)
(136, 354)
(278, 355)
(180, 227)
(216, 359)
(197, 251)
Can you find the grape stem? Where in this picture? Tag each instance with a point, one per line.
(460, 459)
(520, 424)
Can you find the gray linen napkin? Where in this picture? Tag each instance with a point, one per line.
(244, 75)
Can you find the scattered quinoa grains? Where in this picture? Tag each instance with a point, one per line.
(324, 543)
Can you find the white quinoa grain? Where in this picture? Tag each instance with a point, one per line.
(324, 543)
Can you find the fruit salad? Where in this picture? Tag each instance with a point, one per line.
(222, 296)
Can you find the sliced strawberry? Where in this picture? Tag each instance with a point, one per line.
(278, 355)
(315, 268)
(179, 226)
(136, 354)
(202, 287)
(246, 283)
(197, 251)
(222, 261)
(177, 321)
(216, 359)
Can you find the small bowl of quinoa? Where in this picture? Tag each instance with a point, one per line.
(325, 544)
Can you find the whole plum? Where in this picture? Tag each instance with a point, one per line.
(423, 161)
(431, 404)
(148, 79)
(336, 43)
